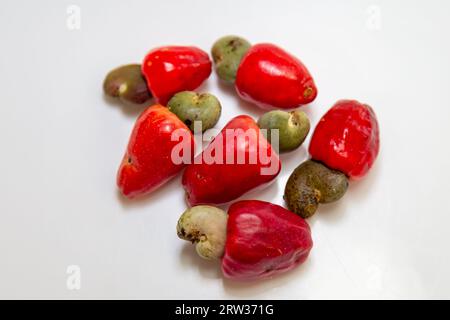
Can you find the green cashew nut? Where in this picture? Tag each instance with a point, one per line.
(312, 183)
(190, 106)
(127, 83)
(227, 53)
(207, 227)
(293, 127)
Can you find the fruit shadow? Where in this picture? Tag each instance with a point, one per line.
(329, 213)
(169, 188)
(212, 270)
(246, 107)
(309, 110)
(268, 192)
(189, 258)
(129, 109)
(360, 189)
(204, 87)
(246, 289)
(356, 192)
(291, 160)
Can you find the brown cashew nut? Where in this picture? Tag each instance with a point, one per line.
(312, 183)
(127, 83)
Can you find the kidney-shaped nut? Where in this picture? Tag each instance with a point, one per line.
(127, 83)
(190, 107)
(293, 127)
(207, 227)
(227, 53)
(312, 183)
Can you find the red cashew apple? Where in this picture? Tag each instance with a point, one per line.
(347, 138)
(147, 163)
(237, 160)
(270, 77)
(169, 70)
(263, 239)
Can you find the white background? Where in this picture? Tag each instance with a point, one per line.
(62, 142)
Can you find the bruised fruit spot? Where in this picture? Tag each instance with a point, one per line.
(129, 161)
(195, 98)
(219, 59)
(308, 92)
(268, 269)
(122, 88)
(293, 119)
(234, 44)
(182, 233)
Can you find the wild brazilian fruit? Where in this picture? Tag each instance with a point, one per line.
(148, 162)
(127, 83)
(172, 69)
(227, 53)
(293, 127)
(190, 106)
(347, 138)
(263, 239)
(271, 78)
(312, 183)
(207, 227)
(242, 161)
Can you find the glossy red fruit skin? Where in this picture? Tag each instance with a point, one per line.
(347, 138)
(263, 239)
(147, 162)
(221, 183)
(271, 78)
(172, 69)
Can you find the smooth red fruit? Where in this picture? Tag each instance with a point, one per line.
(272, 78)
(169, 70)
(218, 182)
(347, 138)
(147, 163)
(263, 239)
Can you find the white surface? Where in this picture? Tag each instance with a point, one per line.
(62, 142)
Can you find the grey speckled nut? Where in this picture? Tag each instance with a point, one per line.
(293, 127)
(312, 183)
(127, 83)
(227, 53)
(206, 226)
(190, 106)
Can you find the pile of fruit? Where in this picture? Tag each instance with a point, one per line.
(254, 239)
